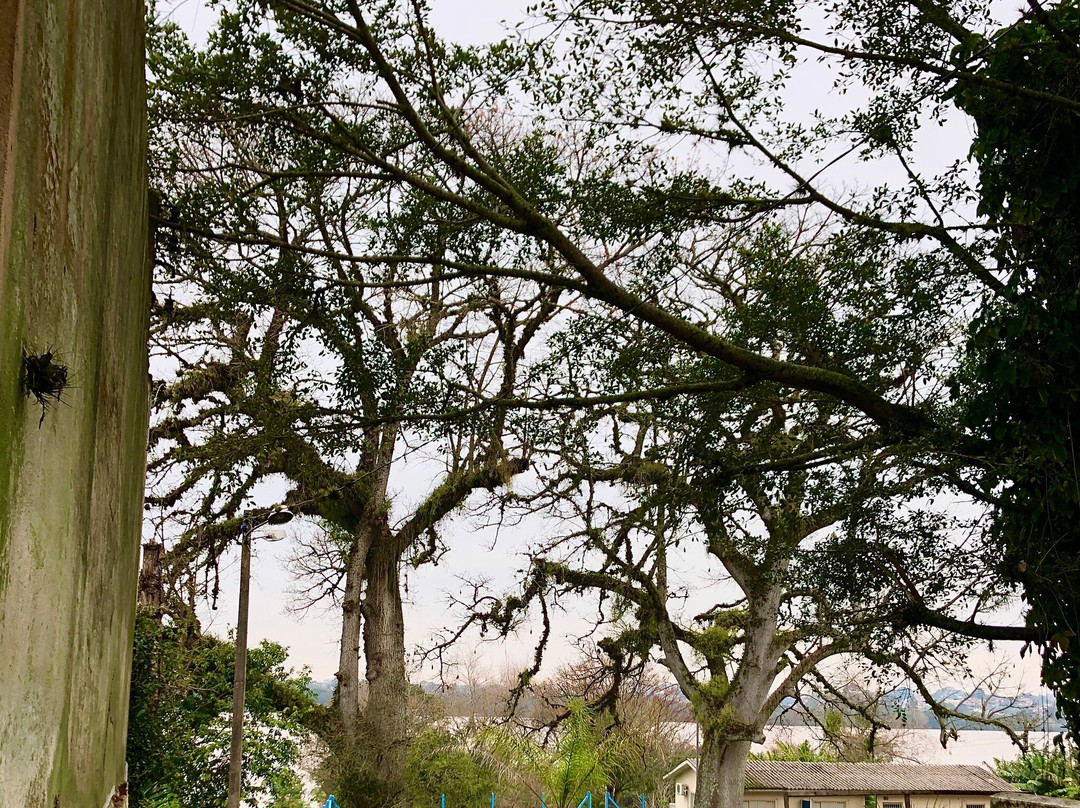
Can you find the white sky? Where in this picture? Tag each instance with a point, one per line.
(313, 638)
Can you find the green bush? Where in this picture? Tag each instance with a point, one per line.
(439, 764)
(180, 711)
(1050, 774)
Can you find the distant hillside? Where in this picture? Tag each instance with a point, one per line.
(902, 708)
(324, 690)
(905, 708)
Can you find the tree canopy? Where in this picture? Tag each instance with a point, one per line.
(615, 249)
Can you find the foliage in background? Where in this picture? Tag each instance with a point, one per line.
(440, 765)
(1051, 774)
(181, 707)
(847, 735)
(582, 759)
(634, 714)
(851, 737)
(803, 753)
(573, 761)
(556, 747)
(581, 750)
(1024, 393)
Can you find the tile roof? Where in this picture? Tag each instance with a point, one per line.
(872, 778)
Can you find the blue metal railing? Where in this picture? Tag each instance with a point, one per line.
(609, 801)
(586, 802)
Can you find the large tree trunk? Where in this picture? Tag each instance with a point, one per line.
(151, 587)
(347, 699)
(721, 771)
(732, 723)
(385, 714)
(369, 532)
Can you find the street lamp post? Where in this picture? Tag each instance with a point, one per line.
(236, 752)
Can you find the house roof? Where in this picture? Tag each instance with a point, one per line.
(689, 763)
(865, 778)
(875, 778)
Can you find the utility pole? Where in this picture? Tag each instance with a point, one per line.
(278, 516)
(236, 755)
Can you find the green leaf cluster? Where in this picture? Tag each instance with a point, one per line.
(439, 765)
(179, 728)
(1021, 381)
(1048, 773)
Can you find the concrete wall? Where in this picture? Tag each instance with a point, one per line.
(1020, 799)
(936, 800)
(760, 798)
(773, 799)
(777, 799)
(686, 778)
(74, 277)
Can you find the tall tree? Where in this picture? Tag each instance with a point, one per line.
(379, 90)
(808, 523)
(716, 77)
(728, 76)
(287, 346)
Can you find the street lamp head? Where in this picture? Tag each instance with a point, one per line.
(279, 516)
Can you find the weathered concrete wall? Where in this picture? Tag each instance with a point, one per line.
(74, 278)
(1020, 799)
